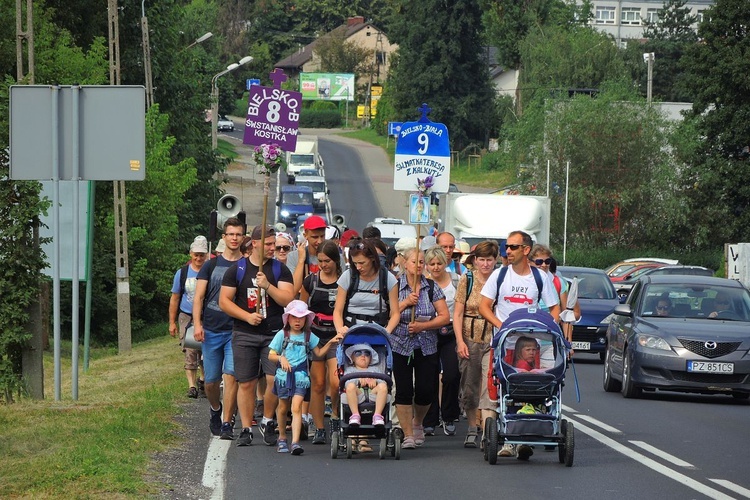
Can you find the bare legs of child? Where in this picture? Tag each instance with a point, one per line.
(281, 412)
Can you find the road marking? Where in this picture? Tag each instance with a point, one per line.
(599, 424)
(653, 465)
(731, 486)
(661, 454)
(216, 464)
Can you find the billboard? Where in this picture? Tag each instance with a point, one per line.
(327, 86)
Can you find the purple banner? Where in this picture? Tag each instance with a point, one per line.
(273, 114)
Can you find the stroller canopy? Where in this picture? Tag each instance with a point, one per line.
(371, 334)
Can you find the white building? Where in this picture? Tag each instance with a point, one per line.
(624, 19)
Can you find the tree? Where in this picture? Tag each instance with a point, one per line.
(717, 68)
(440, 62)
(337, 55)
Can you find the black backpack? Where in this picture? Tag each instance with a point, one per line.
(382, 286)
(501, 277)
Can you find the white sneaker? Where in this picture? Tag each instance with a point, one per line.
(508, 450)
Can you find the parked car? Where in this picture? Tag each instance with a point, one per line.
(597, 298)
(224, 123)
(623, 269)
(680, 333)
(623, 287)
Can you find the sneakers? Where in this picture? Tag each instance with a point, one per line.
(429, 430)
(226, 431)
(246, 437)
(297, 449)
(320, 436)
(524, 451)
(449, 428)
(418, 434)
(508, 450)
(355, 420)
(471, 437)
(408, 443)
(329, 407)
(268, 431)
(378, 420)
(215, 421)
(192, 393)
(282, 447)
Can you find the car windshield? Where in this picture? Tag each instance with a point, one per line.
(592, 285)
(317, 187)
(640, 271)
(621, 269)
(296, 198)
(696, 301)
(302, 159)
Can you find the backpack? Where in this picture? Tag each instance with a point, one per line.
(537, 278)
(382, 285)
(242, 267)
(469, 285)
(183, 279)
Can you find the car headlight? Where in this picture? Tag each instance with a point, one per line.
(652, 342)
(284, 213)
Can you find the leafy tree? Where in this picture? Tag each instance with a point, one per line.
(440, 62)
(718, 67)
(337, 55)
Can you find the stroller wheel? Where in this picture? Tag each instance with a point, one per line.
(397, 449)
(490, 447)
(334, 445)
(383, 448)
(349, 447)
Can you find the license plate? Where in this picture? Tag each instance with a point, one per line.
(581, 346)
(710, 367)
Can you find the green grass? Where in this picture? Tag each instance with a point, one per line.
(227, 149)
(461, 171)
(102, 444)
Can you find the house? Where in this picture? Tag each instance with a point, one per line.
(355, 30)
(505, 80)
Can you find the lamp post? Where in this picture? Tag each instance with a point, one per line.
(648, 58)
(215, 96)
(200, 39)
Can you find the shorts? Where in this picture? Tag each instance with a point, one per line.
(192, 356)
(371, 393)
(330, 353)
(250, 355)
(217, 356)
(474, 393)
(287, 392)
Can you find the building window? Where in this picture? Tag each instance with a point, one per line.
(380, 57)
(652, 16)
(630, 16)
(701, 16)
(605, 15)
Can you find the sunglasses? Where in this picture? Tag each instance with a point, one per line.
(539, 262)
(360, 352)
(284, 248)
(513, 247)
(662, 308)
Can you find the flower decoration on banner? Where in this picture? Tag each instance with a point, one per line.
(268, 158)
(424, 186)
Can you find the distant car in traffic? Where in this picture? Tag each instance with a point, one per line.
(597, 298)
(391, 230)
(680, 333)
(224, 123)
(623, 287)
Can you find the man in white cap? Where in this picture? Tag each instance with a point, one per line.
(181, 309)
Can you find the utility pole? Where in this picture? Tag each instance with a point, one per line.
(32, 357)
(124, 342)
(648, 58)
(147, 57)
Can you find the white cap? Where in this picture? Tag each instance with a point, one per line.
(199, 245)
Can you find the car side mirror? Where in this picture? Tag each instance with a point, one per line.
(623, 310)
(278, 203)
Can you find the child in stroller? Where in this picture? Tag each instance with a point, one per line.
(358, 390)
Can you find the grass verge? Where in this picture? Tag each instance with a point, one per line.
(100, 445)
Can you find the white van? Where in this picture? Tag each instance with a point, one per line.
(392, 230)
(319, 188)
(304, 156)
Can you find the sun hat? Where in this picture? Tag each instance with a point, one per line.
(462, 246)
(221, 246)
(405, 243)
(199, 245)
(362, 347)
(427, 243)
(333, 233)
(286, 236)
(314, 222)
(298, 309)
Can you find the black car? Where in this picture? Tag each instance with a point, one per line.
(623, 287)
(680, 333)
(597, 299)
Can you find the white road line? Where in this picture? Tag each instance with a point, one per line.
(654, 465)
(216, 464)
(661, 454)
(599, 424)
(731, 486)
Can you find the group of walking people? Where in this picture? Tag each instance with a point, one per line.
(267, 309)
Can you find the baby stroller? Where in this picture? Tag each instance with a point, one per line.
(344, 439)
(530, 389)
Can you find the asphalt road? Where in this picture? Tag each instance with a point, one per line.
(666, 446)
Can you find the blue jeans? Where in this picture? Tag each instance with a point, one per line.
(217, 355)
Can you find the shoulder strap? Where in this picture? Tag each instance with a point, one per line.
(314, 286)
(383, 286)
(539, 282)
(431, 290)
(276, 266)
(469, 285)
(241, 268)
(500, 279)
(183, 279)
(353, 286)
(211, 266)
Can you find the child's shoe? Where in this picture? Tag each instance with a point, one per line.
(355, 420)
(297, 449)
(378, 420)
(282, 447)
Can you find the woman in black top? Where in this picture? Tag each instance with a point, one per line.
(319, 291)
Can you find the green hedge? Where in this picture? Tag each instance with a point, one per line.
(320, 119)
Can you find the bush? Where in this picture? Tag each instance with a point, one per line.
(323, 105)
(320, 119)
(602, 258)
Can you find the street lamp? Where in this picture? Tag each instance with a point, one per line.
(648, 58)
(215, 97)
(200, 39)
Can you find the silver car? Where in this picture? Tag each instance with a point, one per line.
(680, 333)
(224, 123)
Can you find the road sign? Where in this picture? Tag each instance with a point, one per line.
(394, 128)
(422, 150)
(250, 82)
(273, 114)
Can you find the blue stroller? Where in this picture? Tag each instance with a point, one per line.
(530, 354)
(376, 337)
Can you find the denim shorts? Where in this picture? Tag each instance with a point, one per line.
(217, 356)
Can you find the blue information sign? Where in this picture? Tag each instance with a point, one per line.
(394, 128)
(422, 150)
(250, 82)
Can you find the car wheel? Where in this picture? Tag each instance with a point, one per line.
(743, 396)
(622, 294)
(609, 383)
(602, 355)
(629, 390)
